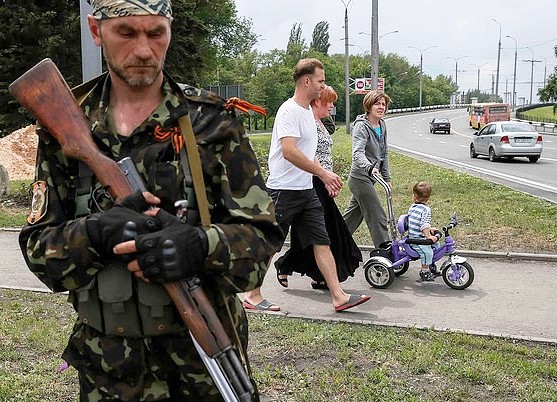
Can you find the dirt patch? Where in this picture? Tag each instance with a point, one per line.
(18, 152)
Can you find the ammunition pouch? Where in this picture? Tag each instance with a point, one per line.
(117, 303)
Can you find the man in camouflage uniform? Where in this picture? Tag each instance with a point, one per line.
(128, 342)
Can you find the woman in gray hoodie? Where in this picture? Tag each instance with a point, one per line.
(369, 154)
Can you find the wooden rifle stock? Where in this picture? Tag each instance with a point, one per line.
(45, 94)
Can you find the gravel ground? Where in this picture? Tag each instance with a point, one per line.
(17, 153)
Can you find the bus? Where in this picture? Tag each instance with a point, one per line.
(479, 114)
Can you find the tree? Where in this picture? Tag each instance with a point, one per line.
(296, 45)
(320, 38)
(205, 34)
(31, 32)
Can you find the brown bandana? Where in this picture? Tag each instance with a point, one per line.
(104, 9)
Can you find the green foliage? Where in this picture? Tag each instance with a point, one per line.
(31, 32)
(320, 38)
(296, 45)
(546, 114)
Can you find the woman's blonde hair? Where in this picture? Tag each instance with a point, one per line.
(372, 97)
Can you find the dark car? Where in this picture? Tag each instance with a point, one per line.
(440, 124)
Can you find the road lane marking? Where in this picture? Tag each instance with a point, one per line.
(524, 182)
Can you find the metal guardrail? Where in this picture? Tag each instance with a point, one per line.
(540, 126)
(426, 108)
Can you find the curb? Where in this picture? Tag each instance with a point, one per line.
(495, 254)
(464, 253)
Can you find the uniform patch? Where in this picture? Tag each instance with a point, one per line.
(39, 202)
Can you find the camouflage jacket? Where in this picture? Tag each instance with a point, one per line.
(243, 233)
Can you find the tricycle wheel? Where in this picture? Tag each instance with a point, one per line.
(458, 276)
(378, 274)
(401, 269)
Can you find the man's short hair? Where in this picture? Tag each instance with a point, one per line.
(306, 67)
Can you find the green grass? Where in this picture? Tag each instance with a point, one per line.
(544, 113)
(491, 217)
(14, 207)
(301, 360)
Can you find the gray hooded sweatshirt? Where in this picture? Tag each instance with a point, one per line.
(368, 150)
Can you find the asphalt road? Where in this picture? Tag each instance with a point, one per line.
(509, 297)
(410, 135)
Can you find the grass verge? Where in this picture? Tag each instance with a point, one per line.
(297, 360)
(492, 217)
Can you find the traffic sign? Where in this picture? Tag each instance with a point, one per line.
(363, 85)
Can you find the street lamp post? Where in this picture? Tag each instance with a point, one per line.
(532, 72)
(421, 66)
(514, 73)
(498, 60)
(374, 79)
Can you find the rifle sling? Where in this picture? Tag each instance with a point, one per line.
(194, 162)
(191, 164)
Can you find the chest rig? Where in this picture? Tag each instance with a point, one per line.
(115, 302)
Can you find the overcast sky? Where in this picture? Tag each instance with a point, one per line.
(456, 28)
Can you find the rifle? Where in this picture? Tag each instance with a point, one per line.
(45, 94)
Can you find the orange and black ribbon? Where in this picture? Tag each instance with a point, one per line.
(173, 133)
(243, 106)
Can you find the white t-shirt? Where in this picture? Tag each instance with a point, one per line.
(292, 120)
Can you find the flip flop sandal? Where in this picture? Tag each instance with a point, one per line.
(264, 305)
(352, 302)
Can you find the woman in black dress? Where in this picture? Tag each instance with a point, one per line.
(345, 251)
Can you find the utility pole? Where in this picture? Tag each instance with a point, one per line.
(346, 70)
(514, 73)
(532, 73)
(456, 59)
(91, 64)
(374, 44)
(498, 62)
(479, 66)
(544, 70)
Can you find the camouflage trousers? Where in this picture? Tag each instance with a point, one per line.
(162, 368)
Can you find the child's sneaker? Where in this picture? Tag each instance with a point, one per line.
(426, 276)
(434, 271)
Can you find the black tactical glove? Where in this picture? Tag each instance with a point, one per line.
(173, 253)
(106, 229)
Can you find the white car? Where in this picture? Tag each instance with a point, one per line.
(507, 139)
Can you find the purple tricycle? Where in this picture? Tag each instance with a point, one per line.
(386, 263)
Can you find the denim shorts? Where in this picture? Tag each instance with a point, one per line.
(425, 252)
(301, 210)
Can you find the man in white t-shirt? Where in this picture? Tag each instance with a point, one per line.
(292, 164)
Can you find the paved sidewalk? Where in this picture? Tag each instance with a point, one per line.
(513, 297)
